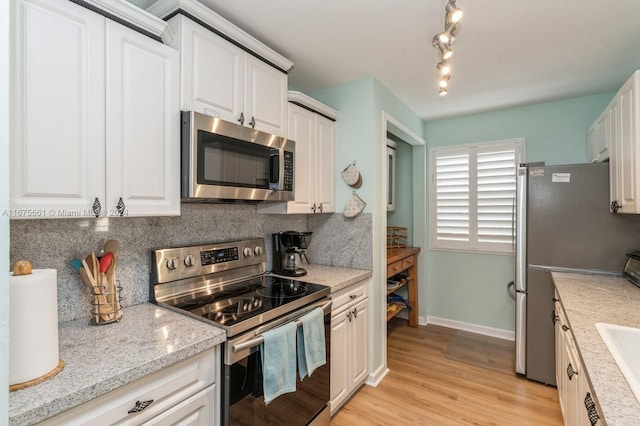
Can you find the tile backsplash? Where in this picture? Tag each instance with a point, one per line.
(52, 243)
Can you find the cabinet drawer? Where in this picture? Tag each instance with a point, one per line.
(394, 268)
(343, 297)
(166, 388)
(408, 262)
(199, 410)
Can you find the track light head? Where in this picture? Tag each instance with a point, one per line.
(442, 91)
(442, 37)
(454, 13)
(444, 68)
(444, 82)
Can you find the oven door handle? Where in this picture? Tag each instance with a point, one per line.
(259, 339)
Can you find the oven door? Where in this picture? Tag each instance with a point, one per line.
(308, 405)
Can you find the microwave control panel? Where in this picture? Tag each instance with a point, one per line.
(288, 171)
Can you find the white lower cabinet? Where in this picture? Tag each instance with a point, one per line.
(185, 393)
(95, 122)
(576, 398)
(349, 342)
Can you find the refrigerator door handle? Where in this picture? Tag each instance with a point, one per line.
(521, 333)
(511, 289)
(521, 228)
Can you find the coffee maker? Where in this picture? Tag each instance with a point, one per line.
(289, 251)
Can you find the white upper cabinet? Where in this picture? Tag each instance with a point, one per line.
(265, 97)
(96, 116)
(58, 114)
(224, 78)
(143, 118)
(624, 116)
(212, 80)
(599, 139)
(313, 129)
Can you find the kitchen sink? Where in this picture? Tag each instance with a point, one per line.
(624, 344)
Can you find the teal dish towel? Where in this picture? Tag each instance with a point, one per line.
(311, 347)
(278, 355)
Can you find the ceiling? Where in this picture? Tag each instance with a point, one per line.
(506, 53)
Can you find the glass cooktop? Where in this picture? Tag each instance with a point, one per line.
(237, 306)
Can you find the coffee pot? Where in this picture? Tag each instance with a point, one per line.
(290, 250)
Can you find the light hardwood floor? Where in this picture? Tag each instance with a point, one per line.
(441, 376)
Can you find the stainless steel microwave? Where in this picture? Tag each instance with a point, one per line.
(224, 161)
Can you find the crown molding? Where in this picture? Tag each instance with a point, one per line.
(165, 8)
(307, 101)
(134, 15)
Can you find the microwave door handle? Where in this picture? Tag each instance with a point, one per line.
(275, 169)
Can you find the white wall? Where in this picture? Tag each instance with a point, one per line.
(4, 219)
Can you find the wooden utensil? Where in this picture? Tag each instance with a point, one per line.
(111, 246)
(105, 263)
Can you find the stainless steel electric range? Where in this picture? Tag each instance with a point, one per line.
(226, 284)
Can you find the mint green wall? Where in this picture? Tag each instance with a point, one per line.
(472, 287)
(354, 136)
(359, 137)
(403, 214)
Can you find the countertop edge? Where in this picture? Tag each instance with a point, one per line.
(84, 393)
(335, 277)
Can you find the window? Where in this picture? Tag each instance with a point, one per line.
(473, 189)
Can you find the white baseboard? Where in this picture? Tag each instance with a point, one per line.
(376, 377)
(405, 315)
(473, 328)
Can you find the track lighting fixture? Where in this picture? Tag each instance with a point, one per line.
(443, 41)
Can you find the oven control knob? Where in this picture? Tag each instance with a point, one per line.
(172, 263)
(247, 252)
(258, 250)
(189, 261)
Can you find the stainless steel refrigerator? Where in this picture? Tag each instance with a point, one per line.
(563, 224)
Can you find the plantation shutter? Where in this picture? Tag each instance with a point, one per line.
(496, 171)
(475, 189)
(452, 196)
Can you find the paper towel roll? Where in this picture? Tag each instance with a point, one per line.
(33, 325)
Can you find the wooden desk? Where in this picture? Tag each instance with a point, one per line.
(405, 259)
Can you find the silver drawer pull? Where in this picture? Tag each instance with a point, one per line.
(140, 405)
(353, 296)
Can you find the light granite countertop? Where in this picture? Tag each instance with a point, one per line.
(333, 276)
(587, 300)
(99, 359)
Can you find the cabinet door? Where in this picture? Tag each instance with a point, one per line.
(628, 142)
(325, 161)
(302, 131)
(265, 96)
(560, 350)
(591, 144)
(606, 134)
(212, 79)
(340, 356)
(359, 343)
(143, 136)
(57, 142)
